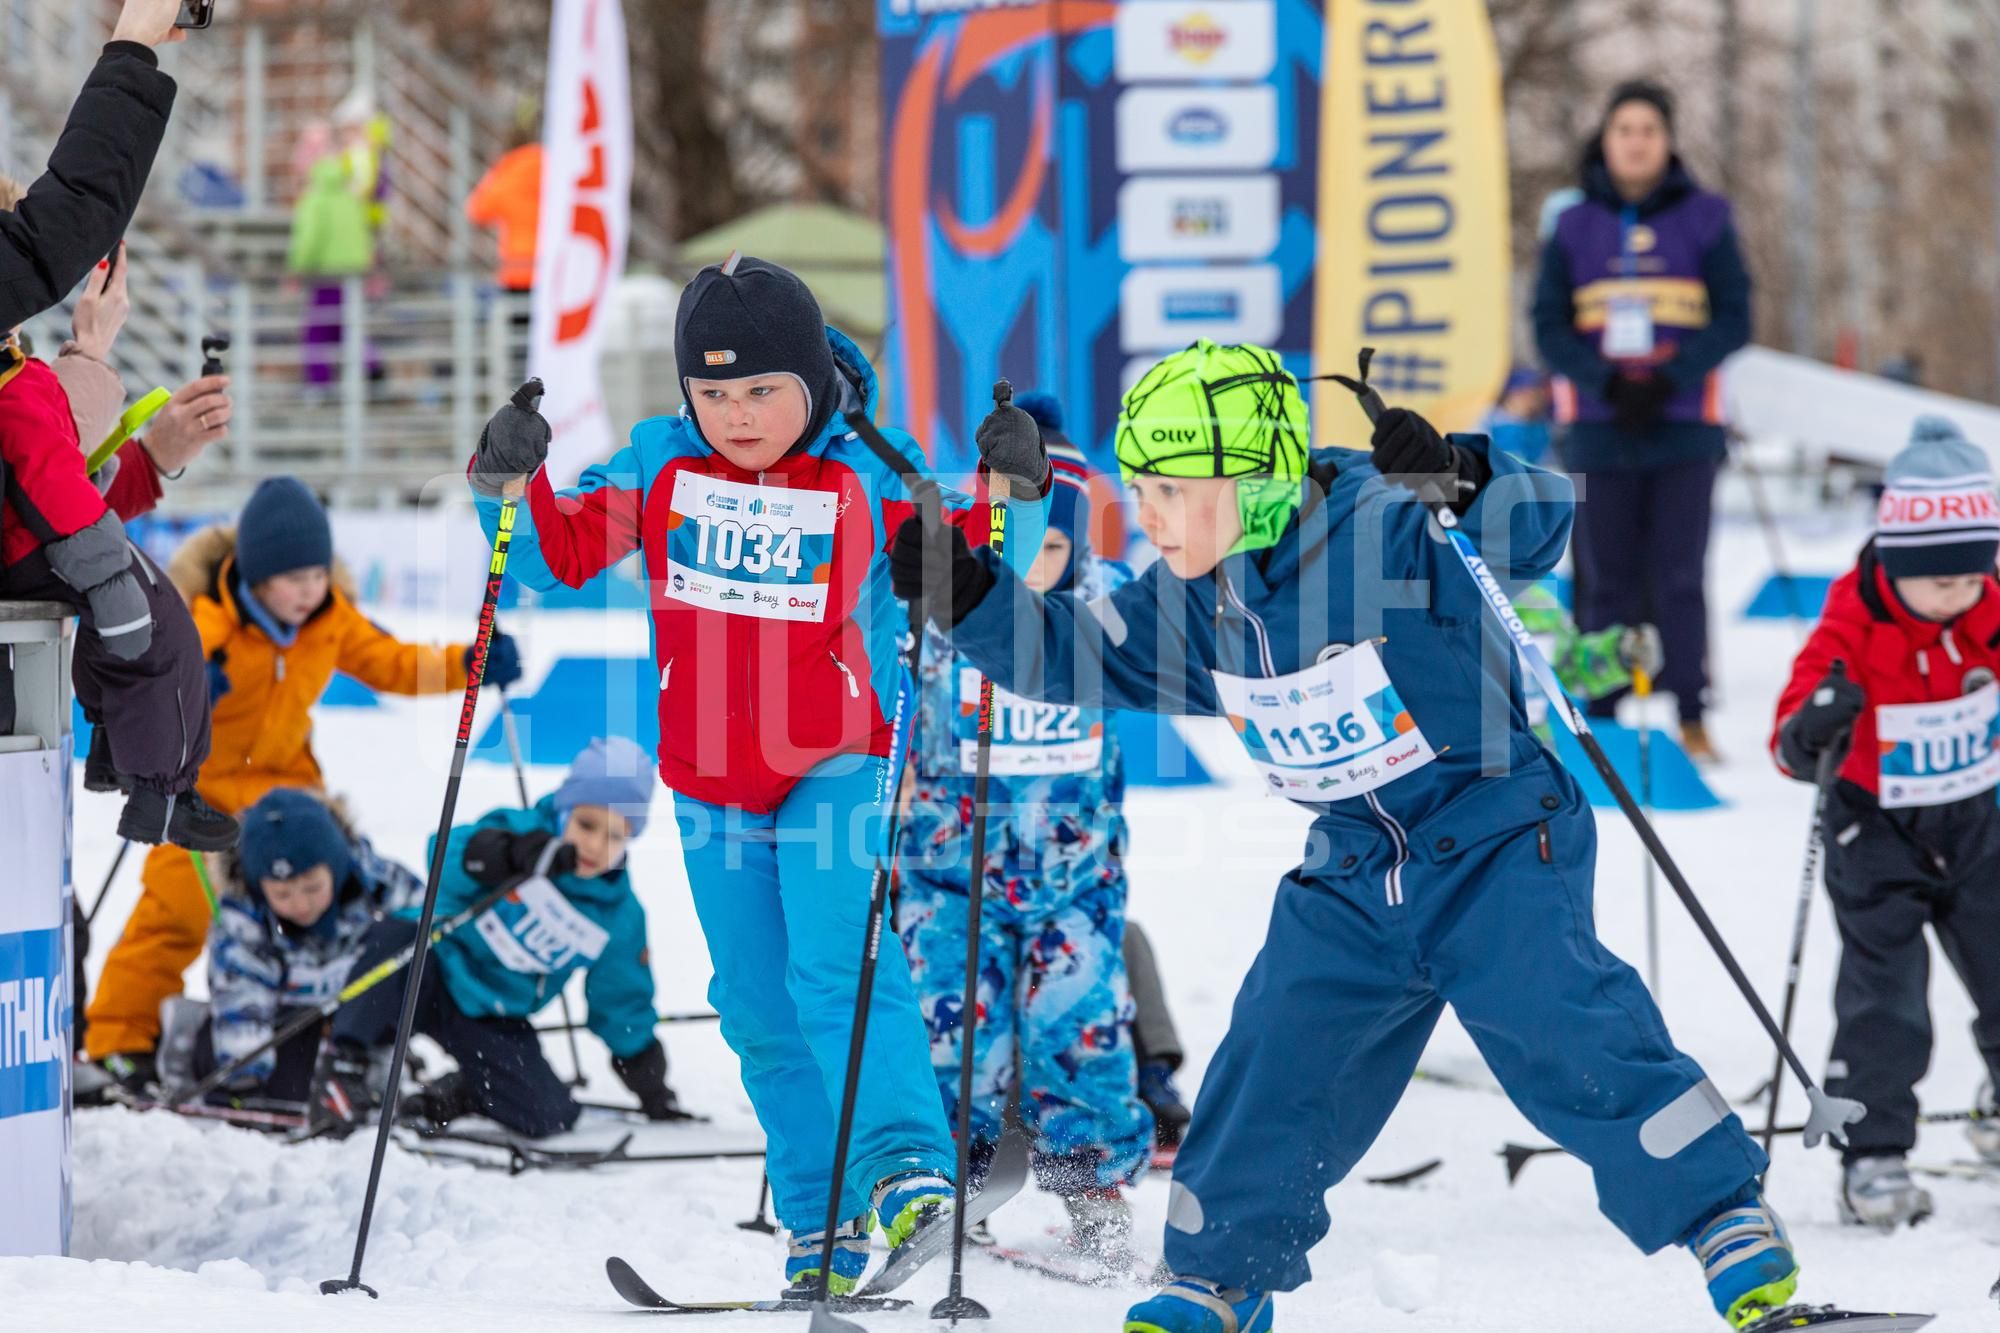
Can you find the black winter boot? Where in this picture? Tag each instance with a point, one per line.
(183, 819)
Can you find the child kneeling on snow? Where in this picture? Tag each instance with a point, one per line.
(572, 909)
(297, 897)
(1907, 647)
(1052, 993)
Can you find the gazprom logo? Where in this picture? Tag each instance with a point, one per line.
(34, 1022)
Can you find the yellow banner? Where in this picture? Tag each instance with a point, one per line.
(1414, 258)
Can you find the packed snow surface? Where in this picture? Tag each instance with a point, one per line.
(193, 1226)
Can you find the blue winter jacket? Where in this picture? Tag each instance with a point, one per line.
(259, 967)
(516, 957)
(1361, 561)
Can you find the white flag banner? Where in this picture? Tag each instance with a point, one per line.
(586, 220)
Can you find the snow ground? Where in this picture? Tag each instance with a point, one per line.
(187, 1226)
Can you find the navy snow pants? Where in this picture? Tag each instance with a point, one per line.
(1496, 920)
(500, 1058)
(1641, 546)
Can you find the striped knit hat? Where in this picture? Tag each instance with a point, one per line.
(1938, 515)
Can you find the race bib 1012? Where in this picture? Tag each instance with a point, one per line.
(1939, 752)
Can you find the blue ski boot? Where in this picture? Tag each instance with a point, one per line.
(1196, 1305)
(850, 1258)
(905, 1202)
(1747, 1259)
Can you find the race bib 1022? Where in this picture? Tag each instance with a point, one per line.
(1939, 752)
(1028, 737)
(750, 550)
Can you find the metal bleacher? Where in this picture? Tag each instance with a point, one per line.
(429, 343)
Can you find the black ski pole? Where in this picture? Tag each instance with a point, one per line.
(762, 1221)
(104, 889)
(1826, 1115)
(659, 1020)
(929, 503)
(527, 398)
(1823, 773)
(956, 1305)
(328, 1007)
(507, 729)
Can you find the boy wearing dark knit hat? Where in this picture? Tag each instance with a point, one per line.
(1895, 690)
(296, 898)
(764, 522)
(275, 623)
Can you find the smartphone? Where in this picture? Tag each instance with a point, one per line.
(196, 14)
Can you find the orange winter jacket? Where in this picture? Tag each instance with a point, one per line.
(509, 198)
(261, 733)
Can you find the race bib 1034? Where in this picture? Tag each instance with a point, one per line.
(1939, 752)
(1335, 730)
(749, 550)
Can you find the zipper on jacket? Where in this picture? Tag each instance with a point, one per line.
(1392, 882)
(1950, 648)
(281, 664)
(853, 689)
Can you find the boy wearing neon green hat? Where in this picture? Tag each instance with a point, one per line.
(1305, 595)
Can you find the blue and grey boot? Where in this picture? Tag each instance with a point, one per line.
(1747, 1259)
(1197, 1305)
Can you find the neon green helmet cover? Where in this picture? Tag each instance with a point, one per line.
(1211, 410)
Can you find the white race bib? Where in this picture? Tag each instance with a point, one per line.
(1335, 730)
(1939, 752)
(541, 930)
(747, 550)
(1028, 737)
(1628, 329)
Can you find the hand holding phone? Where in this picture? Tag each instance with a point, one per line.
(196, 14)
(151, 22)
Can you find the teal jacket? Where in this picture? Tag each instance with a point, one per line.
(518, 955)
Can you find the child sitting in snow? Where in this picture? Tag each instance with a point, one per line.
(1908, 643)
(572, 909)
(297, 897)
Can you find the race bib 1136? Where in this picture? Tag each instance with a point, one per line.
(1335, 730)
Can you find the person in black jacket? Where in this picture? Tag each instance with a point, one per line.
(1642, 294)
(74, 215)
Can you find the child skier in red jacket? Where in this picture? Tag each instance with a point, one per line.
(1896, 687)
(138, 664)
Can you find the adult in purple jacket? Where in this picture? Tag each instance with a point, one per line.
(1642, 294)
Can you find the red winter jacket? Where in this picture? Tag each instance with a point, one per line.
(43, 456)
(1894, 656)
(38, 443)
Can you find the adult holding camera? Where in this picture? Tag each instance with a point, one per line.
(74, 214)
(1642, 294)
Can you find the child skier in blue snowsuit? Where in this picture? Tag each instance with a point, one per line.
(298, 896)
(1301, 594)
(764, 522)
(1052, 984)
(572, 910)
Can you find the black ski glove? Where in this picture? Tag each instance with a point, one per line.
(1408, 451)
(514, 444)
(1825, 719)
(1637, 400)
(1010, 445)
(938, 572)
(495, 856)
(645, 1074)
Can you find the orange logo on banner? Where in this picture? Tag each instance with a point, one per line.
(1197, 38)
(586, 223)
